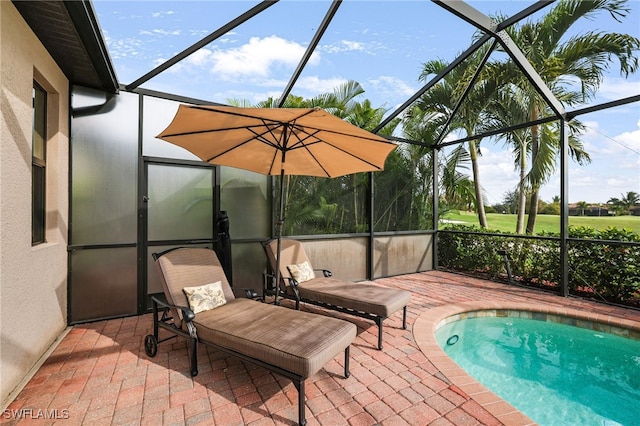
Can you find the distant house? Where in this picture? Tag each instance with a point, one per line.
(591, 210)
(634, 211)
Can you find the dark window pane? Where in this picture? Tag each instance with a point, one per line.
(38, 203)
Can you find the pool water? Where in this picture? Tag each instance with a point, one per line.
(555, 374)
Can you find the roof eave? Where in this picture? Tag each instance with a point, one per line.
(70, 32)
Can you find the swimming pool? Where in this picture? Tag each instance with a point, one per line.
(554, 373)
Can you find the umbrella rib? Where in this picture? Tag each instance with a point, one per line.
(375, 138)
(318, 140)
(225, 129)
(279, 148)
(257, 136)
(306, 146)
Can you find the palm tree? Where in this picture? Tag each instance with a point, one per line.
(584, 57)
(625, 202)
(455, 189)
(341, 103)
(504, 111)
(443, 98)
(511, 106)
(631, 198)
(363, 115)
(582, 205)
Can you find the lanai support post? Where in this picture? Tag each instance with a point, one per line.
(564, 207)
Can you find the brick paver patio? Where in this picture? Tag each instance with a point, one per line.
(100, 375)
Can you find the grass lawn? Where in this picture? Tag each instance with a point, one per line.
(545, 222)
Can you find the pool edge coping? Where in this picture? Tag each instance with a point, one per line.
(429, 321)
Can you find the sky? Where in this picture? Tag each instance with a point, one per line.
(380, 44)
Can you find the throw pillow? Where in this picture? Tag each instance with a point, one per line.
(301, 272)
(205, 297)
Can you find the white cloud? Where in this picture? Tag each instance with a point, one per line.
(621, 149)
(630, 139)
(388, 88)
(200, 57)
(121, 17)
(316, 85)
(497, 172)
(597, 187)
(626, 150)
(614, 169)
(614, 88)
(253, 63)
(125, 48)
(251, 96)
(305, 86)
(343, 46)
(224, 40)
(162, 13)
(160, 32)
(257, 58)
(198, 33)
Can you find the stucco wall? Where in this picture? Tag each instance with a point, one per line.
(33, 280)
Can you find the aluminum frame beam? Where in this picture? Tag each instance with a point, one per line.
(481, 21)
(475, 46)
(203, 42)
(310, 49)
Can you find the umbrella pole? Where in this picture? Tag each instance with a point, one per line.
(279, 234)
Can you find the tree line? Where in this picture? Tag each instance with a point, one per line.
(618, 206)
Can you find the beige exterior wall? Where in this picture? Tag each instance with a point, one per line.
(33, 280)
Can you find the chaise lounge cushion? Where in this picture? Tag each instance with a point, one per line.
(299, 342)
(188, 268)
(364, 297)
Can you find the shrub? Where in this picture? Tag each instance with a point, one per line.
(553, 209)
(601, 263)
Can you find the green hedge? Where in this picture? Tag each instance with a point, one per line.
(601, 262)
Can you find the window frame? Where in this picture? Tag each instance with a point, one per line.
(39, 165)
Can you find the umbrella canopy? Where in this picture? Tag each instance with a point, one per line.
(300, 141)
(277, 141)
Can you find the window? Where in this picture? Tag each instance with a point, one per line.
(38, 165)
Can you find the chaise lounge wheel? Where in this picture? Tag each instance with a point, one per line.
(150, 345)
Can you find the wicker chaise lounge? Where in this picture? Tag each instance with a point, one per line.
(360, 299)
(293, 344)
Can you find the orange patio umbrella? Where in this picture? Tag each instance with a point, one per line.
(277, 141)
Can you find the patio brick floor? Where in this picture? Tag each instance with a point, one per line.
(100, 375)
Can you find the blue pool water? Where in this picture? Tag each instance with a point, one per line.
(555, 374)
